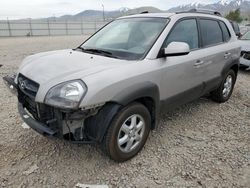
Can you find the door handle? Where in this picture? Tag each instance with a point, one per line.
(227, 54)
(198, 63)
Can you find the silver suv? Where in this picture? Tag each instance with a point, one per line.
(110, 90)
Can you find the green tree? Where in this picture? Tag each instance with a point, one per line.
(234, 16)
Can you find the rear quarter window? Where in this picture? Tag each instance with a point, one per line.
(211, 32)
(235, 27)
(225, 31)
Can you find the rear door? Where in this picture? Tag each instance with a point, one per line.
(217, 51)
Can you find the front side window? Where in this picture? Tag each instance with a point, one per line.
(129, 38)
(211, 32)
(184, 31)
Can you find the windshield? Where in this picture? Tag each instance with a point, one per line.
(129, 38)
(246, 36)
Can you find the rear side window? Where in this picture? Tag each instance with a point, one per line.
(211, 32)
(184, 31)
(225, 31)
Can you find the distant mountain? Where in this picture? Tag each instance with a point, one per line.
(98, 14)
(223, 6)
(91, 14)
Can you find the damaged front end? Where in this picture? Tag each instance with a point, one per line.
(245, 59)
(80, 126)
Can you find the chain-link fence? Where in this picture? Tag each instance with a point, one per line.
(9, 28)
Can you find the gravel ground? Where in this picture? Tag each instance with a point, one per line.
(201, 144)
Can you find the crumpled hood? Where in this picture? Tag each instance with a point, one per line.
(64, 65)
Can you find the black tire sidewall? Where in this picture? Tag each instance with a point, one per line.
(111, 139)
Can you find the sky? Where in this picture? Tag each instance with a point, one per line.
(15, 9)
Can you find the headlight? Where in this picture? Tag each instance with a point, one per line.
(66, 95)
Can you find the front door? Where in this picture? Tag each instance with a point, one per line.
(182, 79)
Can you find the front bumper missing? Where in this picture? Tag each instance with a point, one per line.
(244, 62)
(30, 121)
(36, 125)
(9, 81)
(60, 124)
(245, 59)
(57, 128)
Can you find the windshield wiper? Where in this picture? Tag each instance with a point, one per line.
(80, 48)
(97, 51)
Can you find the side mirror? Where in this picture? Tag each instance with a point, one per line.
(176, 49)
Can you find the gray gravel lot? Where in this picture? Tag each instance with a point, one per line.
(201, 144)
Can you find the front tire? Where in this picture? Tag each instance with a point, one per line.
(224, 92)
(127, 133)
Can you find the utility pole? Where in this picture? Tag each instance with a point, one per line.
(31, 32)
(103, 13)
(82, 25)
(48, 27)
(8, 22)
(67, 28)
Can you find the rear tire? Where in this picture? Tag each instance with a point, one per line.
(127, 133)
(225, 90)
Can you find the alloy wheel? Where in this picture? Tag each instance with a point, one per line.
(131, 133)
(228, 85)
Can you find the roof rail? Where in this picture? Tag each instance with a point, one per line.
(202, 11)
